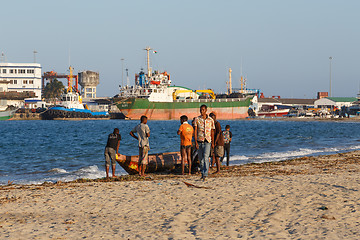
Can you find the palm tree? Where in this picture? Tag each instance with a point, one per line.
(53, 90)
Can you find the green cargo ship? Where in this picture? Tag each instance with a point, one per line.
(153, 96)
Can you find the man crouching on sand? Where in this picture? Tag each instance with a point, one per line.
(143, 134)
(111, 150)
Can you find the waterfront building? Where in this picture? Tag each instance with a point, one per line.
(330, 102)
(22, 77)
(88, 80)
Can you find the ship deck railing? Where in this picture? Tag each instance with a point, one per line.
(211, 100)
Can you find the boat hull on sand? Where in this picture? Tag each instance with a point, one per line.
(159, 162)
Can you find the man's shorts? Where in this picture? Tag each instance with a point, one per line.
(110, 153)
(185, 147)
(143, 155)
(219, 151)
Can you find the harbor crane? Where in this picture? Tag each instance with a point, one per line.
(50, 76)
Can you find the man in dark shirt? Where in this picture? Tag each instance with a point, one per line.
(111, 150)
(227, 140)
(219, 143)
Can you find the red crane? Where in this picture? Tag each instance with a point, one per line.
(50, 76)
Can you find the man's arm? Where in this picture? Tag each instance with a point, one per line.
(195, 137)
(212, 137)
(133, 135)
(218, 130)
(117, 147)
(148, 131)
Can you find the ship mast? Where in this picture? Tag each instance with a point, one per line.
(70, 77)
(229, 82)
(148, 60)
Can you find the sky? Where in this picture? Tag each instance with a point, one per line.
(282, 47)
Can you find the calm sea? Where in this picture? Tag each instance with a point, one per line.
(39, 151)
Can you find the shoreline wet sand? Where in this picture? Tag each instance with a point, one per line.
(309, 197)
(307, 119)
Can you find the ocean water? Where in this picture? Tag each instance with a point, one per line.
(33, 152)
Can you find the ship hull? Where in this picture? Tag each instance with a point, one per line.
(226, 109)
(63, 113)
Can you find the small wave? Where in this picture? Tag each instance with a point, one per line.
(90, 172)
(238, 158)
(280, 156)
(89, 169)
(58, 170)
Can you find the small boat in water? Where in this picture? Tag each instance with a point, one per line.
(7, 114)
(273, 111)
(71, 106)
(159, 162)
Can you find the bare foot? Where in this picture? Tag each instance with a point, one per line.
(114, 176)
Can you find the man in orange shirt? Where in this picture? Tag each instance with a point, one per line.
(186, 132)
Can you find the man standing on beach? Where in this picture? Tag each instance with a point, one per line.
(143, 134)
(219, 143)
(227, 140)
(111, 150)
(204, 135)
(186, 132)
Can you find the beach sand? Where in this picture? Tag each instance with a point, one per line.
(305, 198)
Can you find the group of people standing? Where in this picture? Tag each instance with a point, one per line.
(209, 141)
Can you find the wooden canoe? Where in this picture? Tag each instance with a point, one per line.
(159, 162)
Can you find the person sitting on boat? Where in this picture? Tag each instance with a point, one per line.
(111, 150)
(143, 133)
(218, 150)
(227, 140)
(186, 132)
(204, 135)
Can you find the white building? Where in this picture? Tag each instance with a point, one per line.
(330, 102)
(22, 77)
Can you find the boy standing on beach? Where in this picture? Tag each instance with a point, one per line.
(227, 140)
(111, 150)
(219, 143)
(143, 134)
(186, 132)
(204, 135)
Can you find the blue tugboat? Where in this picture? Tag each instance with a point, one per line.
(71, 107)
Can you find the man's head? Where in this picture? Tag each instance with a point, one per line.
(116, 130)
(213, 115)
(227, 127)
(143, 119)
(183, 118)
(203, 109)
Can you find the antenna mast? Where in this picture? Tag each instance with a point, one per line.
(148, 60)
(70, 77)
(3, 57)
(229, 82)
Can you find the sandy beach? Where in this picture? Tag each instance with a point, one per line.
(304, 198)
